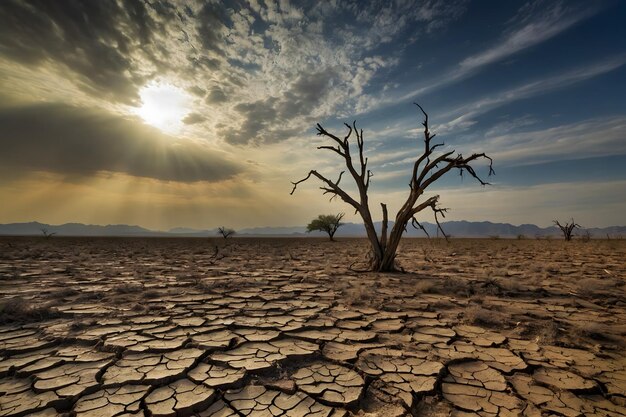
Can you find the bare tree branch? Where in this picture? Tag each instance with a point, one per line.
(431, 202)
(332, 148)
(441, 211)
(426, 170)
(332, 188)
(417, 225)
(295, 184)
(339, 179)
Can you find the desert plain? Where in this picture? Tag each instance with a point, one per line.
(291, 327)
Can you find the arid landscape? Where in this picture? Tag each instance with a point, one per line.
(173, 175)
(273, 327)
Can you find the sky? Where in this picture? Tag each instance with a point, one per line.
(201, 113)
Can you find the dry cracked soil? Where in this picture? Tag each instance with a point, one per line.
(288, 327)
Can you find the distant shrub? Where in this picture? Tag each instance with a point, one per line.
(17, 309)
(225, 232)
(481, 316)
(567, 229)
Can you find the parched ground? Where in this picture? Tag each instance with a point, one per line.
(273, 327)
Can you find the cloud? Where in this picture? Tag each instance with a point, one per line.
(193, 118)
(279, 61)
(234, 56)
(197, 91)
(462, 117)
(538, 25)
(75, 141)
(213, 23)
(271, 120)
(216, 96)
(459, 124)
(385, 20)
(509, 125)
(590, 138)
(531, 26)
(109, 49)
(596, 137)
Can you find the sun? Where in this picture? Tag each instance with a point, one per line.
(163, 106)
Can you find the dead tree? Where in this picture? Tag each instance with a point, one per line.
(427, 169)
(567, 229)
(46, 234)
(225, 232)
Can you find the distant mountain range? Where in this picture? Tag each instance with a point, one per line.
(453, 228)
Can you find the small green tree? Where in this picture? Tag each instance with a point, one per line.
(328, 223)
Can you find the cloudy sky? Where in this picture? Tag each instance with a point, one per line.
(200, 113)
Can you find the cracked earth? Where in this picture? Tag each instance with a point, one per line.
(283, 327)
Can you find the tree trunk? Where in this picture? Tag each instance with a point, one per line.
(387, 262)
(377, 252)
(384, 263)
